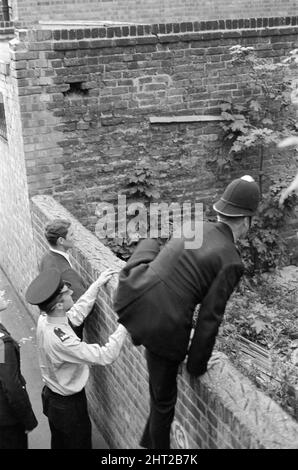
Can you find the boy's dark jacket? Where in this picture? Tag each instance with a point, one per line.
(15, 406)
(159, 290)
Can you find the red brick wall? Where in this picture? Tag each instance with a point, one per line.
(81, 147)
(152, 11)
(222, 410)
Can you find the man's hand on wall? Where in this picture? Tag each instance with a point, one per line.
(216, 358)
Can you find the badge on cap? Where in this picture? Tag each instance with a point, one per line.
(61, 335)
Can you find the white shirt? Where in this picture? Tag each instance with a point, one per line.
(63, 253)
(64, 359)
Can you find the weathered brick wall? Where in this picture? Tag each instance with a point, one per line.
(221, 410)
(87, 96)
(17, 253)
(149, 11)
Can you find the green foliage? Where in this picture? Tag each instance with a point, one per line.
(264, 117)
(255, 314)
(242, 129)
(260, 122)
(142, 183)
(264, 248)
(266, 314)
(141, 188)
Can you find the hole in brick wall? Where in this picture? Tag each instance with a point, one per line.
(76, 88)
(3, 128)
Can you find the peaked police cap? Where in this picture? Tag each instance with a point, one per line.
(240, 198)
(45, 287)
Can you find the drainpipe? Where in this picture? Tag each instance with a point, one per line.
(5, 10)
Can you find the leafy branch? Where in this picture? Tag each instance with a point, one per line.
(264, 118)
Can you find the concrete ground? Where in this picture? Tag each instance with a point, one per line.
(21, 326)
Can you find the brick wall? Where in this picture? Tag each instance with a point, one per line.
(149, 11)
(6, 30)
(221, 410)
(17, 254)
(87, 97)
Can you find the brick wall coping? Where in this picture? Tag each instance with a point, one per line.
(166, 28)
(79, 23)
(269, 426)
(189, 30)
(230, 397)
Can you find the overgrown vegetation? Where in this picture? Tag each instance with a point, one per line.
(257, 125)
(140, 190)
(265, 116)
(265, 247)
(264, 313)
(142, 184)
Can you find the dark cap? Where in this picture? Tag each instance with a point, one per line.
(45, 287)
(55, 229)
(240, 198)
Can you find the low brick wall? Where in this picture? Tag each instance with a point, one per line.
(220, 410)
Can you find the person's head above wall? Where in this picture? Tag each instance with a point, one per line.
(59, 234)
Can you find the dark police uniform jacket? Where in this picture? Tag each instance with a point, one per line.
(15, 406)
(159, 290)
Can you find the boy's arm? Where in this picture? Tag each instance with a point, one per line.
(80, 310)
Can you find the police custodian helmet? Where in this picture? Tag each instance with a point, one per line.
(240, 199)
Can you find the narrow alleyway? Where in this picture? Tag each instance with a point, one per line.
(22, 327)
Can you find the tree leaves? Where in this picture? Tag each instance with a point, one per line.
(264, 118)
(255, 105)
(258, 325)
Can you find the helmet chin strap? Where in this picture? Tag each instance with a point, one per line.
(237, 228)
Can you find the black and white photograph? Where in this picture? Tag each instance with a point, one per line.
(148, 229)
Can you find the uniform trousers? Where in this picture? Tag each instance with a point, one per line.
(13, 437)
(69, 420)
(163, 397)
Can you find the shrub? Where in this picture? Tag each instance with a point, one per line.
(265, 247)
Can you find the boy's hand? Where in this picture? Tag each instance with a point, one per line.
(105, 277)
